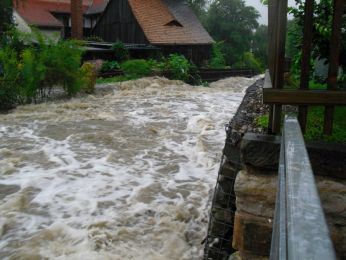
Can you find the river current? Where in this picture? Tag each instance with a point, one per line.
(126, 173)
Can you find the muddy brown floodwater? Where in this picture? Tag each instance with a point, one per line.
(126, 173)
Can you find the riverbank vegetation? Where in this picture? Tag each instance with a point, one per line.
(234, 26)
(174, 66)
(33, 66)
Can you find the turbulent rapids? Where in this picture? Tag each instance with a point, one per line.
(126, 173)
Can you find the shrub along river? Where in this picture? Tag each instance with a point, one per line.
(126, 173)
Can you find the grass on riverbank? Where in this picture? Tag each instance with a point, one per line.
(314, 129)
(315, 121)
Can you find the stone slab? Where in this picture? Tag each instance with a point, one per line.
(252, 234)
(256, 193)
(261, 151)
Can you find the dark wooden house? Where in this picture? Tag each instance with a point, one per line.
(168, 24)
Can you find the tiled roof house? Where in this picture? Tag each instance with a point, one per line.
(168, 24)
(54, 16)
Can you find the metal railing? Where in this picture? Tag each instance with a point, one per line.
(300, 230)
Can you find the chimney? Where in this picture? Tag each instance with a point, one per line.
(77, 19)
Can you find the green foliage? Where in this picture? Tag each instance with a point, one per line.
(31, 72)
(157, 66)
(262, 121)
(217, 60)
(110, 65)
(314, 130)
(9, 77)
(249, 61)
(62, 61)
(198, 7)
(120, 51)
(175, 66)
(232, 22)
(323, 14)
(89, 72)
(179, 66)
(260, 45)
(136, 68)
(5, 16)
(316, 85)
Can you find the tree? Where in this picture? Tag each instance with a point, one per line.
(232, 22)
(260, 44)
(5, 16)
(323, 15)
(198, 6)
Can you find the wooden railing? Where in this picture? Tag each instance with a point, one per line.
(274, 94)
(209, 75)
(299, 230)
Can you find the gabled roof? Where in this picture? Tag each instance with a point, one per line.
(169, 22)
(39, 12)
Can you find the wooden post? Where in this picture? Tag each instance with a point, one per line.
(77, 19)
(277, 27)
(306, 54)
(335, 44)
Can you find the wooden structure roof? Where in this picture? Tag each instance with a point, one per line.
(169, 22)
(40, 12)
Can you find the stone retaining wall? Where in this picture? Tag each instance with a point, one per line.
(255, 190)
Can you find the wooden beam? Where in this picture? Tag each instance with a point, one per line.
(335, 45)
(277, 32)
(306, 54)
(77, 19)
(304, 97)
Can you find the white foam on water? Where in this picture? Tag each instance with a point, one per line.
(127, 175)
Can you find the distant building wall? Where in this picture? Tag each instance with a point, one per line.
(119, 23)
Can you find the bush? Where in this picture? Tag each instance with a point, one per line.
(110, 65)
(158, 66)
(31, 72)
(249, 61)
(179, 66)
(9, 78)
(217, 60)
(90, 75)
(120, 51)
(136, 68)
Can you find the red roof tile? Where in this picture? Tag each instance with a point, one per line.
(169, 22)
(39, 12)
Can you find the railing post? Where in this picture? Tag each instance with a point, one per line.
(335, 44)
(306, 53)
(277, 37)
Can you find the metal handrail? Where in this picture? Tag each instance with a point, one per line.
(300, 230)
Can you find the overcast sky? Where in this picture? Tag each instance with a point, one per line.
(263, 9)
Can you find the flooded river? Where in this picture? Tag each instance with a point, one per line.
(126, 173)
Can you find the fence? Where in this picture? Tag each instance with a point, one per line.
(208, 75)
(300, 230)
(274, 94)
